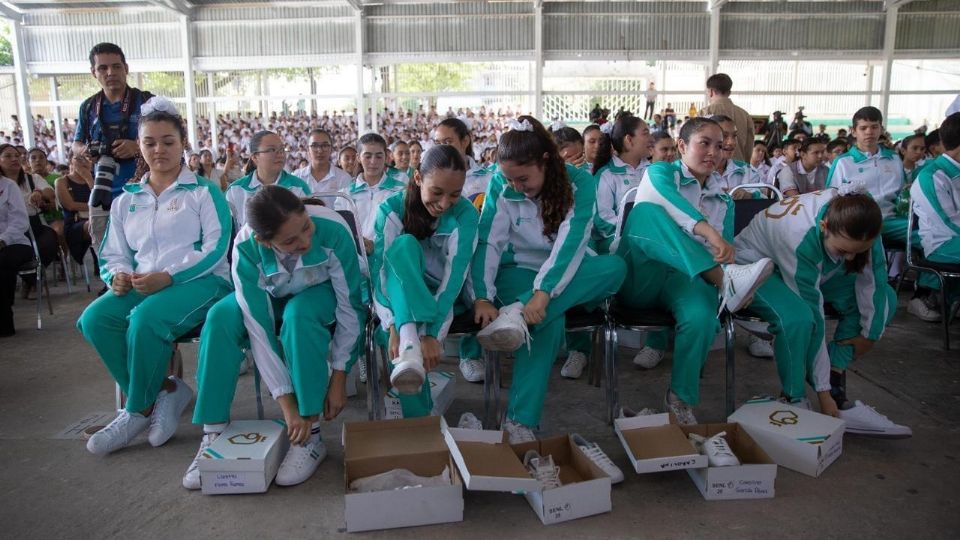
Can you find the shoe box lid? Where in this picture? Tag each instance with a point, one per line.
(487, 462)
(655, 443)
(245, 445)
(796, 438)
(754, 478)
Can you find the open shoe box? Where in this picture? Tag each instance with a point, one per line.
(415, 444)
(488, 463)
(753, 479)
(655, 443)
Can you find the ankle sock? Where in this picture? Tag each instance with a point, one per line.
(214, 428)
(315, 432)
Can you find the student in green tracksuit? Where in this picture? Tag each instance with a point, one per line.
(677, 244)
(299, 266)
(532, 263)
(265, 168)
(424, 239)
(164, 257)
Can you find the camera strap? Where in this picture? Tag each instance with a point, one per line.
(125, 108)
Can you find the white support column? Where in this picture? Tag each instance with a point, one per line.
(212, 111)
(889, 41)
(22, 82)
(58, 119)
(189, 86)
(713, 57)
(538, 62)
(359, 35)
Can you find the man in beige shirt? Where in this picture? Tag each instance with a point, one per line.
(718, 93)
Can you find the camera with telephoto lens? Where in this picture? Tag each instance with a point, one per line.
(103, 173)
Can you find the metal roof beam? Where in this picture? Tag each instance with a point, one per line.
(9, 12)
(177, 6)
(887, 4)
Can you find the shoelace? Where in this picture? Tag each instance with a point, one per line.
(204, 444)
(158, 409)
(303, 453)
(886, 422)
(547, 474)
(595, 454)
(118, 427)
(518, 316)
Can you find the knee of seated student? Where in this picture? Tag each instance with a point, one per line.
(698, 313)
(143, 319)
(299, 327)
(97, 315)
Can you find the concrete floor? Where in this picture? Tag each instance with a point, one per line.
(53, 488)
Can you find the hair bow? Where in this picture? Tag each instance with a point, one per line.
(606, 128)
(159, 104)
(518, 125)
(852, 188)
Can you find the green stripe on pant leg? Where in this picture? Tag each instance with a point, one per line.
(694, 306)
(413, 406)
(104, 325)
(305, 338)
(155, 323)
(411, 300)
(222, 343)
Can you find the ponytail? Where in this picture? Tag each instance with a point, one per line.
(625, 125)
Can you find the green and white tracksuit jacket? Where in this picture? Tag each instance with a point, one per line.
(478, 178)
(936, 201)
(511, 235)
(882, 174)
(789, 233)
(367, 199)
(259, 277)
(240, 191)
(614, 180)
(446, 256)
(184, 231)
(737, 173)
(335, 180)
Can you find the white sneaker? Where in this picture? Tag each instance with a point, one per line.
(468, 420)
(247, 363)
(408, 373)
(518, 433)
(300, 463)
(740, 281)
(118, 433)
(648, 357)
(167, 410)
(507, 332)
(918, 307)
(626, 412)
(191, 480)
(473, 370)
(863, 419)
(682, 411)
(599, 458)
(543, 469)
(395, 479)
(716, 448)
(760, 348)
(573, 367)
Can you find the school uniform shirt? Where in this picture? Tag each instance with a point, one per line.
(241, 190)
(737, 173)
(614, 180)
(13, 214)
(184, 231)
(882, 174)
(478, 178)
(367, 199)
(794, 176)
(511, 235)
(335, 180)
(936, 201)
(399, 175)
(259, 274)
(789, 233)
(762, 170)
(773, 172)
(674, 188)
(447, 255)
(33, 182)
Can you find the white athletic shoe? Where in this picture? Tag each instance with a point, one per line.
(760, 348)
(408, 373)
(543, 469)
(468, 420)
(191, 480)
(300, 463)
(167, 410)
(518, 433)
(919, 308)
(507, 332)
(573, 367)
(472, 370)
(716, 448)
(627, 412)
(682, 411)
(118, 433)
(740, 281)
(599, 458)
(648, 357)
(863, 419)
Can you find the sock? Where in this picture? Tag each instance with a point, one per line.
(314, 432)
(409, 337)
(214, 428)
(838, 387)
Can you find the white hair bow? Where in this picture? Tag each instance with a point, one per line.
(606, 128)
(517, 125)
(558, 125)
(466, 121)
(159, 104)
(852, 188)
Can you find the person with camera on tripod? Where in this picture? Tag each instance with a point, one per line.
(107, 132)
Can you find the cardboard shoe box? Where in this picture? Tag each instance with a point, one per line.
(488, 463)
(415, 444)
(441, 390)
(798, 439)
(754, 478)
(655, 444)
(244, 458)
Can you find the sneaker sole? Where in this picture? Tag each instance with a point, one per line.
(407, 379)
(924, 318)
(876, 434)
(764, 274)
(501, 340)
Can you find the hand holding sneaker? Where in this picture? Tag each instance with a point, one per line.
(484, 313)
(432, 350)
(298, 427)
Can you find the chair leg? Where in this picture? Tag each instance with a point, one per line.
(944, 312)
(489, 379)
(46, 289)
(610, 378)
(256, 389)
(597, 345)
(374, 401)
(66, 272)
(39, 284)
(731, 362)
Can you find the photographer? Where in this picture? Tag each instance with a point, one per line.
(107, 132)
